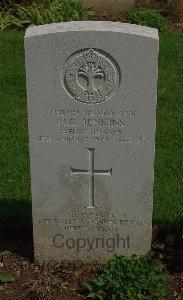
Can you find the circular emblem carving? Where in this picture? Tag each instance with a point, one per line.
(91, 76)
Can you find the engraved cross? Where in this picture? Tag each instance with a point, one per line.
(91, 172)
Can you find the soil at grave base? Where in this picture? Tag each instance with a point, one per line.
(61, 282)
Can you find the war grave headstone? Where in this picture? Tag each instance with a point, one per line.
(91, 93)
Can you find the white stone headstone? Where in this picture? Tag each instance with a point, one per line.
(91, 89)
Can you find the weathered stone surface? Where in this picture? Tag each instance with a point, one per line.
(91, 89)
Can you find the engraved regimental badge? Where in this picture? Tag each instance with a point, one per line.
(91, 76)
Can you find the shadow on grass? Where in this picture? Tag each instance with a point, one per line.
(168, 246)
(16, 227)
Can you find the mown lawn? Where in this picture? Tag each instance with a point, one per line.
(15, 191)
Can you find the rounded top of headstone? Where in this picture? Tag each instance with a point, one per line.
(92, 26)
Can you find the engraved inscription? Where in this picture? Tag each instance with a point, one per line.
(94, 125)
(44, 139)
(91, 173)
(101, 221)
(91, 76)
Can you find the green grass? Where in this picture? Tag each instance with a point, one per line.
(15, 208)
(168, 192)
(15, 192)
